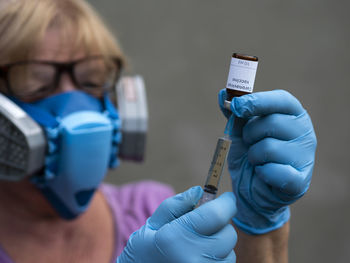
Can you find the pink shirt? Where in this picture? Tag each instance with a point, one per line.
(131, 205)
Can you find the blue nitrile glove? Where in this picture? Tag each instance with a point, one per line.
(176, 233)
(271, 157)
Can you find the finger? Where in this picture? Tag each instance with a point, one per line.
(226, 237)
(285, 178)
(180, 242)
(297, 153)
(212, 216)
(221, 98)
(229, 235)
(264, 103)
(278, 126)
(231, 258)
(174, 207)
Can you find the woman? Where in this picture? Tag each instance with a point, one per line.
(62, 31)
(58, 60)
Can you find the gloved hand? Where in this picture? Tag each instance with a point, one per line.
(176, 233)
(271, 157)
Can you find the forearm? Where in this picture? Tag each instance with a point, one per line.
(267, 248)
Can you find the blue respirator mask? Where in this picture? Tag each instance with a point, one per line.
(64, 143)
(82, 134)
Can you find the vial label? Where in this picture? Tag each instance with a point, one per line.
(242, 75)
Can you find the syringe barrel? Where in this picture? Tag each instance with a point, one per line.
(218, 162)
(216, 168)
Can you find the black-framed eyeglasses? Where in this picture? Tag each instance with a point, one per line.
(35, 79)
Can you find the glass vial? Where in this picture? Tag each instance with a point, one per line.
(241, 76)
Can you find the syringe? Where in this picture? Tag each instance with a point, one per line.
(216, 168)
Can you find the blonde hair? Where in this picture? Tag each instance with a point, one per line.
(23, 23)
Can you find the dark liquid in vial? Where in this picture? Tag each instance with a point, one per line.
(231, 93)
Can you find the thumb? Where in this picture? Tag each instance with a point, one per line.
(174, 207)
(221, 99)
(212, 216)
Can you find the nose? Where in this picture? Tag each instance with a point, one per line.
(65, 84)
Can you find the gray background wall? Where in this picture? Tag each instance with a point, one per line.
(183, 49)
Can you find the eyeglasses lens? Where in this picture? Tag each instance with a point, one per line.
(31, 81)
(95, 75)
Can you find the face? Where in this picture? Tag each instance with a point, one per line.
(56, 67)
